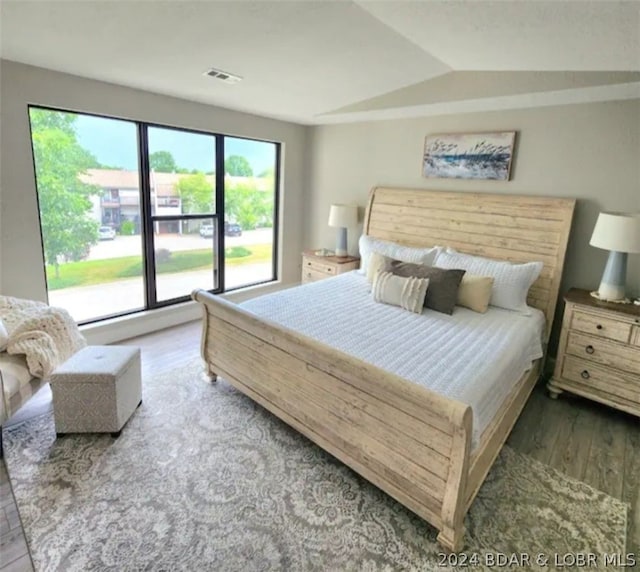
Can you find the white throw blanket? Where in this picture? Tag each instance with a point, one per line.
(46, 336)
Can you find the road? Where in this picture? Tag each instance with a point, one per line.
(132, 245)
(128, 294)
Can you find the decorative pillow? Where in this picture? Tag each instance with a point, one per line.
(377, 263)
(408, 293)
(4, 337)
(511, 281)
(367, 245)
(443, 284)
(475, 292)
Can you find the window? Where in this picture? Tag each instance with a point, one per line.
(249, 199)
(135, 216)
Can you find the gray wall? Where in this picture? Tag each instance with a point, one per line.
(20, 248)
(590, 152)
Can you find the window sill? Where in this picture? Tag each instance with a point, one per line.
(124, 327)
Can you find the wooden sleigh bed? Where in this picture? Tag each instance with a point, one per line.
(409, 441)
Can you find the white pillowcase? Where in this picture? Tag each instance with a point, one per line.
(393, 250)
(4, 337)
(407, 292)
(511, 282)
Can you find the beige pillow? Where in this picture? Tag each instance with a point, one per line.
(408, 293)
(475, 292)
(377, 263)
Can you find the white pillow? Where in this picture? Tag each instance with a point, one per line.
(393, 250)
(511, 282)
(407, 292)
(4, 337)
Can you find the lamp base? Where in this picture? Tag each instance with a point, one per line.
(614, 278)
(341, 244)
(595, 294)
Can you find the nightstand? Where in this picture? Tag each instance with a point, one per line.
(599, 352)
(316, 267)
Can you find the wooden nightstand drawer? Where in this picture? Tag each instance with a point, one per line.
(318, 266)
(599, 352)
(310, 275)
(612, 382)
(601, 326)
(606, 353)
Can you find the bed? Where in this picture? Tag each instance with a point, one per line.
(416, 444)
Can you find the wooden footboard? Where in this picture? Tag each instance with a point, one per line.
(412, 443)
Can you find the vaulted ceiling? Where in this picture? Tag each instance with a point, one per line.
(332, 61)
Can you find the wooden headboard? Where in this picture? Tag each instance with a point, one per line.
(505, 227)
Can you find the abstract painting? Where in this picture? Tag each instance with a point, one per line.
(469, 155)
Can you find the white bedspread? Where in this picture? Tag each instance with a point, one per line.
(473, 358)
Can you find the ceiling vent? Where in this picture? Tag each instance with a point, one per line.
(224, 76)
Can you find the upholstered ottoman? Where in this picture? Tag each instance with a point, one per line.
(97, 390)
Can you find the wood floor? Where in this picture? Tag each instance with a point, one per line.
(584, 440)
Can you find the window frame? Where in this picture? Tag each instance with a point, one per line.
(148, 219)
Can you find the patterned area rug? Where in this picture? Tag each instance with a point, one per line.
(203, 479)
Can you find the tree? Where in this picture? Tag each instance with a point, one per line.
(268, 173)
(196, 194)
(248, 206)
(163, 162)
(64, 200)
(238, 166)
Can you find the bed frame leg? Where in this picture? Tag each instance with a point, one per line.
(213, 376)
(451, 539)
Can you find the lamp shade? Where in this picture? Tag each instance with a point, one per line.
(343, 215)
(619, 232)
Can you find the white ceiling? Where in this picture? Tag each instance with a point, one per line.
(327, 61)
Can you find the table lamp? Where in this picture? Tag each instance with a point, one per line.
(619, 233)
(342, 217)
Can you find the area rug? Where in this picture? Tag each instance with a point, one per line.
(204, 479)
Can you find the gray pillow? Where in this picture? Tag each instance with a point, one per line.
(442, 293)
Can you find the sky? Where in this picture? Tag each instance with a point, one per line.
(113, 142)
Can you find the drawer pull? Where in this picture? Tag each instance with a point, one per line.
(599, 327)
(589, 349)
(585, 374)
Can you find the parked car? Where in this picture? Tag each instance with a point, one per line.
(232, 229)
(206, 230)
(106, 233)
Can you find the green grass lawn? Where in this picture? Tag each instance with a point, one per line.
(88, 272)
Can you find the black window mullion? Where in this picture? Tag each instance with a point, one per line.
(220, 190)
(147, 219)
(276, 210)
(160, 218)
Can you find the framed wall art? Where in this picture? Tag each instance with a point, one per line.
(469, 155)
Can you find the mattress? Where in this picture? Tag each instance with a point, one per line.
(474, 358)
